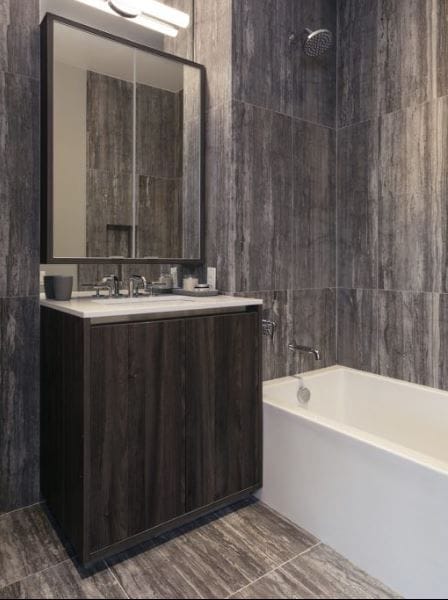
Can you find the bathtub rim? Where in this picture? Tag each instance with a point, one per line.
(403, 452)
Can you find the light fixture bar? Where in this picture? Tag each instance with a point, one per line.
(142, 20)
(165, 13)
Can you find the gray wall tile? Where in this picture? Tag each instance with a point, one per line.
(213, 47)
(183, 44)
(314, 199)
(263, 159)
(19, 37)
(262, 57)
(19, 239)
(357, 339)
(410, 210)
(385, 58)
(270, 72)
(314, 79)
(312, 315)
(19, 406)
(357, 216)
(357, 60)
(304, 317)
(440, 341)
(405, 340)
(441, 193)
(221, 218)
(109, 123)
(441, 16)
(275, 350)
(19, 147)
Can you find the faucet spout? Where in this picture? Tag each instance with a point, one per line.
(305, 350)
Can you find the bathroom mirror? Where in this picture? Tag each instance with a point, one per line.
(123, 130)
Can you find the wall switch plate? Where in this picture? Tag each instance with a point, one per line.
(211, 277)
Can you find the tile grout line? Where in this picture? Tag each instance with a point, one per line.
(276, 568)
(58, 564)
(116, 579)
(282, 114)
(11, 512)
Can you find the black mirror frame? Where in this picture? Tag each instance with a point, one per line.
(46, 201)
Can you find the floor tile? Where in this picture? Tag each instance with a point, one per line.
(28, 544)
(150, 571)
(66, 580)
(206, 558)
(319, 573)
(277, 538)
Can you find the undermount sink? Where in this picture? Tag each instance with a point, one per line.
(141, 300)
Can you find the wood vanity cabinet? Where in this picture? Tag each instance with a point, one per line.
(147, 425)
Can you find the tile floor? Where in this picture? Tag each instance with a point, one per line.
(246, 551)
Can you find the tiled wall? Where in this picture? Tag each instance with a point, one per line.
(271, 160)
(392, 188)
(19, 279)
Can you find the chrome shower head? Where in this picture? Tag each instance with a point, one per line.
(317, 42)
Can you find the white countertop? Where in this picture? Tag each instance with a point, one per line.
(83, 306)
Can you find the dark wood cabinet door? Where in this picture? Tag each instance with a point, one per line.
(157, 389)
(223, 407)
(137, 429)
(109, 435)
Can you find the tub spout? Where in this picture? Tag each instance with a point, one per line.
(305, 350)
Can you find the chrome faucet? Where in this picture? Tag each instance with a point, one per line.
(113, 284)
(134, 284)
(305, 350)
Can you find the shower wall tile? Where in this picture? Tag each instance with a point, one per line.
(312, 316)
(440, 342)
(19, 406)
(358, 205)
(314, 79)
(275, 349)
(357, 340)
(405, 336)
(357, 60)
(213, 47)
(262, 56)
(263, 155)
(304, 317)
(270, 72)
(385, 57)
(314, 201)
(410, 209)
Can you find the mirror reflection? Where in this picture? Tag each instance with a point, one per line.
(127, 186)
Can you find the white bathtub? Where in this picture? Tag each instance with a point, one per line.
(364, 467)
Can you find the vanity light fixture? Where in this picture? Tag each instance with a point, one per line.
(125, 8)
(146, 13)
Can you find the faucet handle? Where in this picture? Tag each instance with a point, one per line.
(98, 288)
(135, 282)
